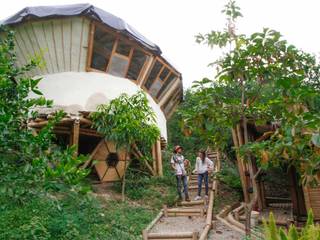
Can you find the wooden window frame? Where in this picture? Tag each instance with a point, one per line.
(118, 37)
(146, 68)
(164, 65)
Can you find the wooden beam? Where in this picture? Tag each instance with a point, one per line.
(154, 158)
(240, 166)
(159, 158)
(75, 135)
(170, 92)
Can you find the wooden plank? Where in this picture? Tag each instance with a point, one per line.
(24, 47)
(35, 46)
(171, 235)
(76, 39)
(84, 44)
(58, 43)
(48, 34)
(67, 35)
(39, 34)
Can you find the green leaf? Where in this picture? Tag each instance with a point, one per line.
(316, 139)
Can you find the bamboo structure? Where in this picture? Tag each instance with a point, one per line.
(91, 58)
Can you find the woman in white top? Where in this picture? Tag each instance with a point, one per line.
(203, 166)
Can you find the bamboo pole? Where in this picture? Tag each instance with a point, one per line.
(240, 166)
(154, 158)
(184, 210)
(210, 208)
(205, 232)
(92, 154)
(75, 136)
(159, 158)
(178, 235)
(154, 221)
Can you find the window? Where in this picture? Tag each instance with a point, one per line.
(164, 74)
(115, 55)
(123, 48)
(153, 74)
(155, 88)
(102, 48)
(118, 66)
(171, 102)
(170, 79)
(137, 62)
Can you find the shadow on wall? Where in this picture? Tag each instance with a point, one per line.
(94, 100)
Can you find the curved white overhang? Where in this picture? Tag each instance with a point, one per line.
(84, 91)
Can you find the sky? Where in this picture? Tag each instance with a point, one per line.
(173, 24)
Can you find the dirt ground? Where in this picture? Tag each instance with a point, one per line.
(224, 232)
(179, 224)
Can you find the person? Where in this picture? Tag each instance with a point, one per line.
(179, 164)
(203, 166)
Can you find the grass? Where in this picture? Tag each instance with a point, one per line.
(70, 215)
(153, 192)
(73, 216)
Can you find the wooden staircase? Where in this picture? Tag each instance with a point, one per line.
(200, 209)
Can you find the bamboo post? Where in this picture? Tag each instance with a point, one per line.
(195, 235)
(177, 235)
(165, 210)
(210, 208)
(75, 136)
(240, 166)
(159, 158)
(204, 234)
(144, 234)
(154, 158)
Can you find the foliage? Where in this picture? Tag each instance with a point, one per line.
(30, 161)
(262, 80)
(156, 191)
(70, 215)
(42, 194)
(229, 175)
(311, 231)
(179, 134)
(127, 120)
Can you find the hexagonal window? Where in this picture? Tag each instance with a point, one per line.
(112, 159)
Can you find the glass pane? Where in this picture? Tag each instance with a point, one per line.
(170, 79)
(153, 74)
(164, 74)
(155, 88)
(137, 62)
(102, 48)
(123, 48)
(118, 66)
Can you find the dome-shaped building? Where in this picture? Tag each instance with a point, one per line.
(91, 57)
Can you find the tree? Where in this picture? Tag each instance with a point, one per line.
(130, 123)
(261, 80)
(29, 162)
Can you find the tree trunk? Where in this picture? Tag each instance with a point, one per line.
(253, 201)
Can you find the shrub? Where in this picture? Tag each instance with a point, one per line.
(311, 231)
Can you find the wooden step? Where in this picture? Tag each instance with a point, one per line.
(195, 187)
(192, 203)
(184, 211)
(176, 235)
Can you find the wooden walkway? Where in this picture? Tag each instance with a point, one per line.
(189, 220)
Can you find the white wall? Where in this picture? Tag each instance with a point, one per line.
(76, 91)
